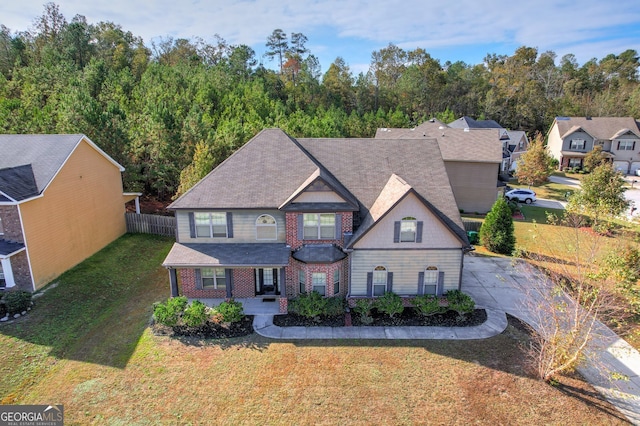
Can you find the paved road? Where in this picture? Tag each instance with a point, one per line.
(550, 204)
(565, 181)
(498, 283)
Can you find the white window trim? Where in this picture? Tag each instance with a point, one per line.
(628, 145)
(336, 281)
(428, 270)
(584, 144)
(324, 283)
(414, 221)
(273, 225)
(319, 236)
(215, 285)
(302, 284)
(211, 234)
(373, 280)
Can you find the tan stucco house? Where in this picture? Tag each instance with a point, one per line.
(570, 139)
(344, 217)
(61, 201)
(472, 159)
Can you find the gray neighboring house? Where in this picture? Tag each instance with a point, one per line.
(466, 122)
(344, 217)
(570, 139)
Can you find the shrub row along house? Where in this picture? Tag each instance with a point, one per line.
(570, 139)
(346, 217)
(61, 201)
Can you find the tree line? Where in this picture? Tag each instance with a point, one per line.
(179, 105)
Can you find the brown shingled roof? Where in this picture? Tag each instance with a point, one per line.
(604, 128)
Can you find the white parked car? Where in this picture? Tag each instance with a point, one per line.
(521, 195)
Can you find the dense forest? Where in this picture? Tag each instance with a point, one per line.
(183, 104)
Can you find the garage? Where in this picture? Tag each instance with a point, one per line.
(635, 166)
(622, 166)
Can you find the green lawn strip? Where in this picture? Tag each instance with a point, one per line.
(83, 316)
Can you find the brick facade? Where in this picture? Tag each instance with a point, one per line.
(21, 272)
(291, 223)
(243, 285)
(11, 224)
(293, 288)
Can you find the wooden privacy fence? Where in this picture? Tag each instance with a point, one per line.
(472, 225)
(151, 224)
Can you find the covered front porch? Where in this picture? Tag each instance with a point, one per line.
(250, 306)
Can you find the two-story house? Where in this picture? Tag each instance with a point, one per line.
(61, 201)
(343, 217)
(472, 159)
(570, 139)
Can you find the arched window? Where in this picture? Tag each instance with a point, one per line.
(430, 280)
(379, 280)
(266, 228)
(408, 229)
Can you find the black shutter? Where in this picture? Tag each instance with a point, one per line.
(173, 281)
(440, 287)
(198, 274)
(192, 225)
(419, 231)
(300, 228)
(389, 282)
(634, 146)
(338, 226)
(396, 231)
(369, 284)
(229, 225)
(618, 145)
(275, 276)
(420, 283)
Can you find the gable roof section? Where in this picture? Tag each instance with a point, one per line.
(466, 122)
(392, 166)
(321, 176)
(603, 128)
(263, 173)
(44, 155)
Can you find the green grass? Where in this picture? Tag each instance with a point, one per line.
(549, 190)
(539, 214)
(86, 345)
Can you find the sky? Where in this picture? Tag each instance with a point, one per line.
(461, 30)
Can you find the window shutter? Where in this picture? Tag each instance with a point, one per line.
(369, 284)
(283, 286)
(275, 276)
(198, 274)
(229, 278)
(389, 282)
(192, 225)
(229, 225)
(419, 231)
(300, 228)
(618, 145)
(440, 286)
(173, 280)
(338, 226)
(420, 283)
(633, 148)
(396, 231)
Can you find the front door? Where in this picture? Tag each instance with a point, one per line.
(267, 281)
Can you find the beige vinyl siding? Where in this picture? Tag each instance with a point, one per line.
(81, 212)
(244, 227)
(434, 234)
(474, 185)
(319, 197)
(405, 265)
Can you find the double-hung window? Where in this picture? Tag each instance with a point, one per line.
(1, 228)
(302, 281)
(430, 280)
(408, 229)
(577, 144)
(319, 280)
(3, 281)
(336, 281)
(211, 225)
(625, 146)
(319, 226)
(379, 280)
(214, 278)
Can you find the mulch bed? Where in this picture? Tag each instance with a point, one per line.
(207, 331)
(409, 317)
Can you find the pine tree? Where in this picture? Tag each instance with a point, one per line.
(497, 232)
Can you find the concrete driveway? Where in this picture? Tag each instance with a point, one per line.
(503, 284)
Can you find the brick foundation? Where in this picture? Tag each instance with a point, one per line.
(11, 224)
(243, 285)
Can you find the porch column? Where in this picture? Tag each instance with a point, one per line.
(8, 272)
(173, 282)
(283, 282)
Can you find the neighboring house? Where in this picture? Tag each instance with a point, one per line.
(345, 217)
(465, 122)
(570, 139)
(472, 159)
(61, 201)
(514, 144)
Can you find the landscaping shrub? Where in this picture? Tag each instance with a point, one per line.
(389, 303)
(309, 305)
(195, 315)
(231, 311)
(497, 231)
(169, 313)
(335, 306)
(428, 304)
(460, 302)
(363, 309)
(16, 301)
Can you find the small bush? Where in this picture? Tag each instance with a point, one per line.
(309, 305)
(231, 311)
(335, 306)
(195, 315)
(460, 302)
(169, 313)
(428, 305)
(363, 309)
(16, 301)
(389, 303)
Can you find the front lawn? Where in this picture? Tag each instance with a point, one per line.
(87, 345)
(548, 190)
